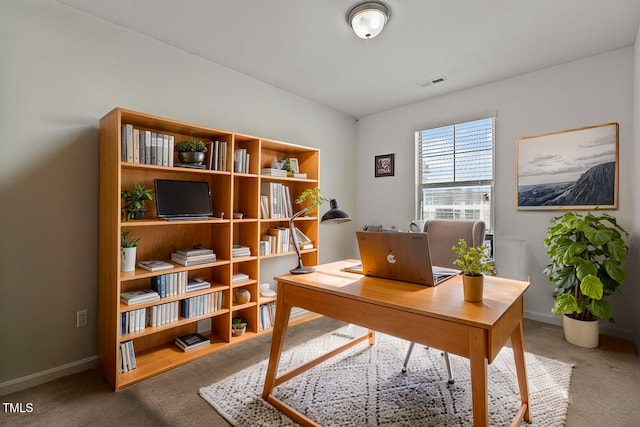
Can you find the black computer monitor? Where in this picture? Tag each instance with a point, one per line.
(176, 199)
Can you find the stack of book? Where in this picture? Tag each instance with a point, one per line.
(137, 297)
(267, 315)
(273, 172)
(240, 251)
(191, 341)
(127, 357)
(146, 147)
(201, 304)
(193, 256)
(239, 277)
(155, 265)
(275, 200)
(241, 160)
(197, 285)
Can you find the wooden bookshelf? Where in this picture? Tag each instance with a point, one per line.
(231, 192)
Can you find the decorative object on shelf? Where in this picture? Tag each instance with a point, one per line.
(241, 296)
(266, 291)
(586, 253)
(134, 199)
(238, 326)
(474, 264)
(128, 247)
(384, 165)
(367, 19)
(191, 151)
(333, 216)
(237, 215)
(590, 183)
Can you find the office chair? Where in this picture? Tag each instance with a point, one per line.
(443, 234)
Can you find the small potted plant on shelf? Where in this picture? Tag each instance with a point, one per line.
(586, 253)
(191, 151)
(314, 195)
(238, 326)
(128, 246)
(474, 264)
(134, 199)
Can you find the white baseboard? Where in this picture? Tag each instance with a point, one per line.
(38, 378)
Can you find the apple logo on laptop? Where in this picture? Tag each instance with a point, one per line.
(390, 258)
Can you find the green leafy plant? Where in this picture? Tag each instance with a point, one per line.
(238, 323)
(191, 145)
(314, 195)
(286, 165)
(126, 241)
(473, 260)
(586, 255)
(134, 199)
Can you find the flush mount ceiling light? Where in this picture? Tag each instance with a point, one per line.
(367, 19)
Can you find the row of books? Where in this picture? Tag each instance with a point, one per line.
(127, 357)
(267, 315)
(241, 160)
(278, 241)
(170, 284)
(162, 314)
(275, 200)
(201, 304)
(191, 341)
(217, 159)
(132, 321)
(146, 147)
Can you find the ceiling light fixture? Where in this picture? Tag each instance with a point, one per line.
(367, 19)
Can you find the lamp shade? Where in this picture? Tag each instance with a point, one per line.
(335, 215)
(368, 19)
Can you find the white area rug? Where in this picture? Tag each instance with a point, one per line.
(365, 386)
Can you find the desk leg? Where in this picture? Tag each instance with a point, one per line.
(479, 390)
(517, 344)
(280, 326)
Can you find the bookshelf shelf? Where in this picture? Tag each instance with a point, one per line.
(236, 187)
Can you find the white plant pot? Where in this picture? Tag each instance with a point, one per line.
(128, 261)
(583, 333)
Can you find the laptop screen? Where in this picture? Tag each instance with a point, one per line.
(176, 198)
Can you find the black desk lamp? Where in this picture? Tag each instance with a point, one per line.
(334, 215)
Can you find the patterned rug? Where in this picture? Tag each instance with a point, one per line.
(365, 386)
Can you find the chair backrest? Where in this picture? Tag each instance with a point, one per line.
(443, 234)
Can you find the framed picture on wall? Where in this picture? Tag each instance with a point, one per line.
(383, 165)
(570, 169)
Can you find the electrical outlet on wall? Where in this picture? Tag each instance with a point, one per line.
(81, 318)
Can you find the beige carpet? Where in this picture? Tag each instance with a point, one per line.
(365, 387)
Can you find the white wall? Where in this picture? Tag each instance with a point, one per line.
(591, 91)
(61, 71)
(634, 277)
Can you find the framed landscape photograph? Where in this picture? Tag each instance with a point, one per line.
(384, 165)
(571, 169)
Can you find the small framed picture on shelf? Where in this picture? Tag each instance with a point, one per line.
(383, 165)
(295, 167)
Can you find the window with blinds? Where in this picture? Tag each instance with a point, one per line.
(455, 173)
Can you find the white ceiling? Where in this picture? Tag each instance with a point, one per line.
(307, 48)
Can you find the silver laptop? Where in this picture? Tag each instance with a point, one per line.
(400, 256)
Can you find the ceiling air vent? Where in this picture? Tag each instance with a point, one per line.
(432, 81)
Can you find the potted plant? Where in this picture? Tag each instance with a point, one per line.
(191, 151)
(474, 264)
(586, 253)
(128, 247)
(134, 200)
(238, 326)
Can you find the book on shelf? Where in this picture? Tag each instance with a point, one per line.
(240, 251)
(137, 297)
(206, 259)
(190, 166)
(191, 341)
(193, 257)
(127, 357)
(239, 277)
(273, 172)
(300, 175)
(155, 265)
(197, 284)
(196, 250)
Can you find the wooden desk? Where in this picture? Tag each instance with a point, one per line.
(439, 315)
